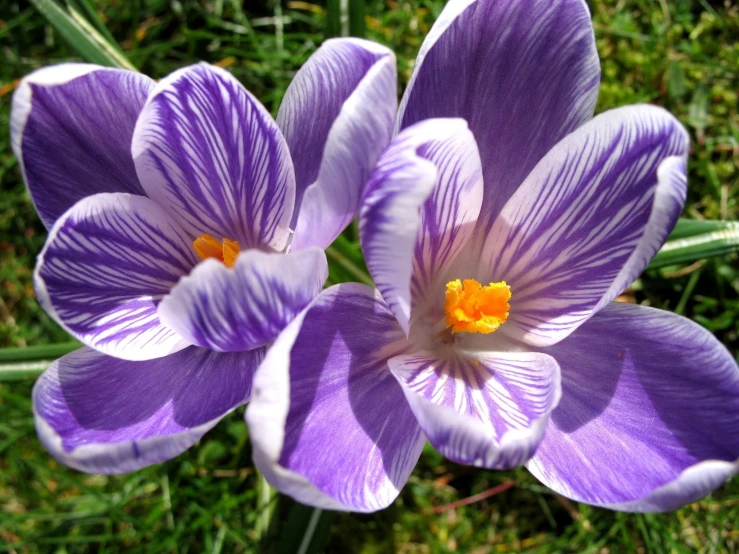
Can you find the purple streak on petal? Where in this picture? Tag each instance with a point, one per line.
(487, 409)
(649, 416)
(107, 263)
(340, 435)
(209, 153)
(244, 307)
(421, 202)
(71, 129)
(327, 85)
(585, 220)
(105, 415)
(523, 73)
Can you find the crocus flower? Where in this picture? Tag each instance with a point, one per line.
(499, 226)
(171, 207)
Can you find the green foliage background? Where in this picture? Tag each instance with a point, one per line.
(681, 54)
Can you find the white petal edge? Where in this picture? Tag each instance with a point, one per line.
(322, 204)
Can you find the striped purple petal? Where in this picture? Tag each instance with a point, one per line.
(337, 117)
(328, 422)
(522, 73)
(420, 207)
(105, 415)
(107, 263)
(586, 220)
(210, 154)
(649, 417)
(487, 409)
(71, 128)
(244, 307)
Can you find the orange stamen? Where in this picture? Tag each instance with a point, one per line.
(207, 246)
(472, 308)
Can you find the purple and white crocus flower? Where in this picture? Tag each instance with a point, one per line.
(499, 226)
(171, 208)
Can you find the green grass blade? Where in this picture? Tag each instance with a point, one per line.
(28, 363)
(23, 370)
(357, 14)
(692, 227)
(83, 9)
(42, 352)
(697, 240)
(345, 18)
(306, 531)
(82, 36)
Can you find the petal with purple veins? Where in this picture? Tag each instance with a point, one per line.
(522, 73)
(210, 154)
(71, 129)
(337, 117)
(586, 220)
(105, 415)
(328, 422)
(649, 416)
(246, 306)
(487, 409)
(107, 263)
(421, 204)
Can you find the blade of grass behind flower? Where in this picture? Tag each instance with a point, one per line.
(697, 240)
(82, 9)
(306, 531)
(29, 362)
(345, 18)
(82, 36)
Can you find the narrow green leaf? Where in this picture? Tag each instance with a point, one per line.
(82, 36)
(345, 18)
(357, 13)
(31, 361)
(342, 260)
(33, 353)
(83, 9)
(692, 227)
(333, 18)
(697, 240)
(23, 370)
(306, 531)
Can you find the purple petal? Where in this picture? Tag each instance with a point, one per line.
(71, 128)
(421, 204)
(523, 73)
(586, 220)
(107, 263)
(209, 153)
(105, 415)
(649, 416)
(338, 117)
(328, 422)
(487, 409)
(244, 307)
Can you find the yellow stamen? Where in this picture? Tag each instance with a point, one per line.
(472, 308)
(207, 246)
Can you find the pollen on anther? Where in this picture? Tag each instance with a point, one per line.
(207, 246)
(473, 308)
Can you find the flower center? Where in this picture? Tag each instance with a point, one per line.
(207, 246)
(472, 308)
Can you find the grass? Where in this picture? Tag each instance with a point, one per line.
(681, 54)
